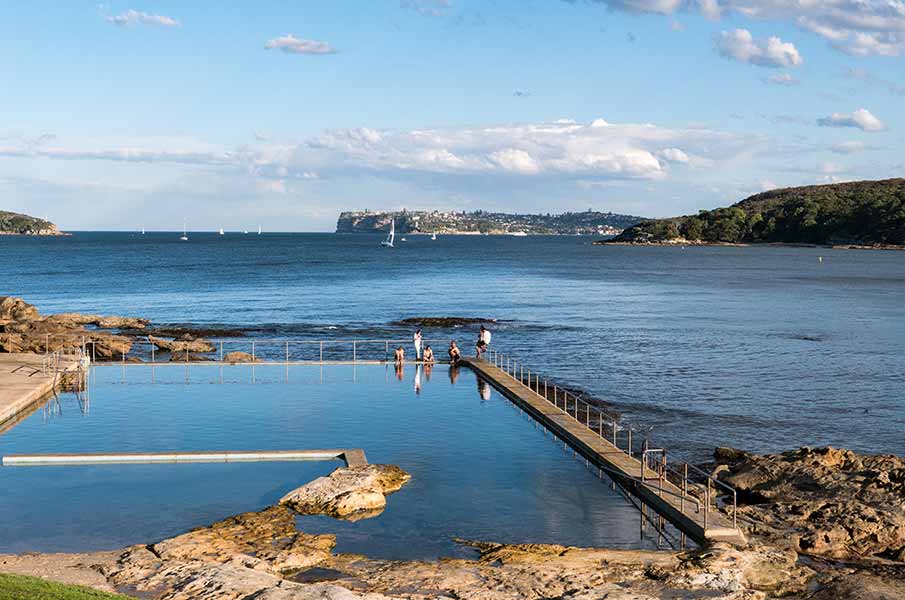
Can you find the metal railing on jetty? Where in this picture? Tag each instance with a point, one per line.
(696, 488)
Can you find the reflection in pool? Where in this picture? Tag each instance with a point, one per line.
(481, 469)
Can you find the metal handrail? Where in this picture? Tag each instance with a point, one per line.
(512, 367)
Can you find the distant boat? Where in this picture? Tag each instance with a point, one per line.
(245, 232)
(434, 235)
(221, 231)
(403, 240)
(518, 233)
(259, 230)
(391, 237)
(185, 235)
(142, 230)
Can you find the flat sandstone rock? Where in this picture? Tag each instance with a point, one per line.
(348, 492)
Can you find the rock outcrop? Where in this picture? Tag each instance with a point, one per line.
(196, 345)
(240, 357)
(348, 492)
(23, 329)
(824, 501)
(442, 322)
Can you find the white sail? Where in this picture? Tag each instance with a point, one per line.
(391, 238)
(221, 231)
(185, 235)
(259, 230)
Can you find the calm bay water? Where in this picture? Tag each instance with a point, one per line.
(760, 348)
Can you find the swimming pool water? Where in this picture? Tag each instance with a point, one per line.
(481, 469)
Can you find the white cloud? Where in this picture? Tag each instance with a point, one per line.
(663, 7)
(674, 155)
(293, 45)
(785, 79)
(133, 17)
(858, 27)
(430, 8)
(564, 150)
(848, 147)
(740, 45)
(861, 119)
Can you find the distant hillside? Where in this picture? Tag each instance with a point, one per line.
(862, 213)
(15, 224)
(581, 223)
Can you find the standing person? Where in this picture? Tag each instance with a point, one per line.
(416, 339)
(399, 355)
(484, 335)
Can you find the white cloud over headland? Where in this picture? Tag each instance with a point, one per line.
(133, 17)
(293, 45)
(861, 119)
(774, 53)
(857, 27)
(563, 149)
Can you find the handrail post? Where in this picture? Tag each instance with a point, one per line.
(734, 508)
(684, 487)
(386, 351)
(354, 351)
(629, 440)
(322, 352)
(587, 415)
(252, 352)
(221, 350)
(614, 433)
(287, 351)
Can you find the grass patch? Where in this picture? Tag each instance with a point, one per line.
(19, 587)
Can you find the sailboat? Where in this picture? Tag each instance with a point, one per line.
(142, 230)
(185, 235)
(259, 230)
(434, 236)
(391, 237)
(221, 231)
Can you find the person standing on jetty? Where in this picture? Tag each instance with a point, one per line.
(483, 342)
(416, 339)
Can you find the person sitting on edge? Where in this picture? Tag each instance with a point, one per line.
(428, 355)
(454, 354)
(399, 355)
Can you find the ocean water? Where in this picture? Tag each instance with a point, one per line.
(763, 348)
(480, 468)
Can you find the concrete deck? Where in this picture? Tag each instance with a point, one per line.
(621, 467)
(22, 387)
(352, 457)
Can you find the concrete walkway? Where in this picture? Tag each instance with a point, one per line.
(662, 496)
(22, 387)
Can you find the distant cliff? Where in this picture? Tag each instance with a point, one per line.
(15, 224)
(581, 223)
(860, 213)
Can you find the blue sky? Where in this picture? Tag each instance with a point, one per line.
(140, 114)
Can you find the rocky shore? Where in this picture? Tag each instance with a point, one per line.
(803, 511)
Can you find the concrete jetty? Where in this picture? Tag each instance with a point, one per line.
(23, 385)
(667, 499)
(352, 457)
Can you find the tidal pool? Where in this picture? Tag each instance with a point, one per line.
(480, 468)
